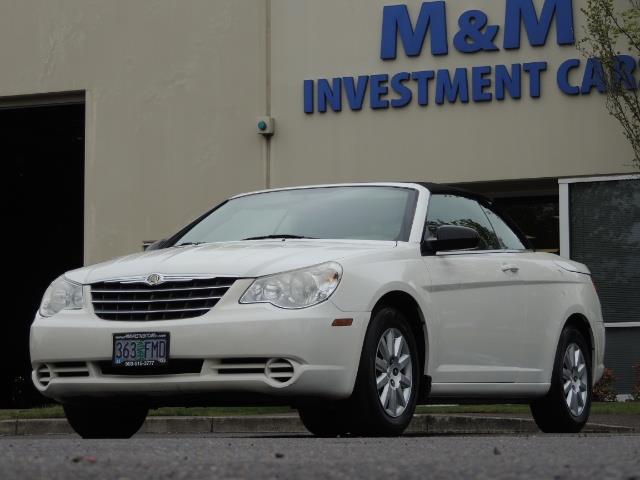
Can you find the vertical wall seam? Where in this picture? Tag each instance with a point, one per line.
(267, 139)
(268, 57)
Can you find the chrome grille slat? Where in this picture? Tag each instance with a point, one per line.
(147, 290)
(154, 311)
(186, 299)
(169, 300)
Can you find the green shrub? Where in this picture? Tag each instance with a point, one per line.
(636, 385)
(604, 390)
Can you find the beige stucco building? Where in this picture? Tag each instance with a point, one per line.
(168, 94)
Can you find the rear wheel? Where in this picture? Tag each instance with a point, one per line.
(105, 421)
(566, 407)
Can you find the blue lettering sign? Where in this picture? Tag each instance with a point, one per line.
(624, 68)
(510, 82)
(471, 38)
(404, 92)
(330, 95)
(397, 22)
(524, 12)
(355, 93)
(534, 69)
(308, 96)
(563, 77)
(482, 83)
(593, 77)
(422, 79)
(378, 90)
(452, 89)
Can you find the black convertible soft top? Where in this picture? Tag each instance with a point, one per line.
(443, 189)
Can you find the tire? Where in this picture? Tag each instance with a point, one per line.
(106, 421)
(327, 421)
(560, 412)
(374, 412)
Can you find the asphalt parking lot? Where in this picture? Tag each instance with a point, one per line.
(301, 456)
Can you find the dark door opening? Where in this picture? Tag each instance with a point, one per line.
(43, 154)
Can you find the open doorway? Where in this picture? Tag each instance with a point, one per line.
(43, 155)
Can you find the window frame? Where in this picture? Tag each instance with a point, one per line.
(492, 210)
(483, 202)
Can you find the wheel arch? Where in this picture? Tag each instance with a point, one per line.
(410, 308)
(581, 323)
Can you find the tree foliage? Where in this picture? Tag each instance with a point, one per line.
(613, 29)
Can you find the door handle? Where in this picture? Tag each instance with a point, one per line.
(510, 268)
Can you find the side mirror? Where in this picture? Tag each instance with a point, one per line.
(451, 237)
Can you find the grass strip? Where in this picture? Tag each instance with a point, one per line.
(55, 411)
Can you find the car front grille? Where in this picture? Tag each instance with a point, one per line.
(169, 300)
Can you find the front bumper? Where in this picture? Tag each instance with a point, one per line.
(237, 344)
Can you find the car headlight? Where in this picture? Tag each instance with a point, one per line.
(296, 289)
(61, 295)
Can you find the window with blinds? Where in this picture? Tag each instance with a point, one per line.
(605, 235)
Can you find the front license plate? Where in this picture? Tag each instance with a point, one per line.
(145, 349)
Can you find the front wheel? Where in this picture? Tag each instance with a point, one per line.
(388, 378)
(105, 421)
(566, 407)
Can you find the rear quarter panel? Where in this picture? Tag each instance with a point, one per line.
(554, 294)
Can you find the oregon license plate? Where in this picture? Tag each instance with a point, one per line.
(144, 349)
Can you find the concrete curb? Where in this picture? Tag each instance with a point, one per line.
(420, 425)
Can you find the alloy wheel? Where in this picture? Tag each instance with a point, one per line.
(394, 374)
(575, 379)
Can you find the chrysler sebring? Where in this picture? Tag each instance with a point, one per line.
(351, 303)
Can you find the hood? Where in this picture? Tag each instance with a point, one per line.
(233, 259)
(572, 266)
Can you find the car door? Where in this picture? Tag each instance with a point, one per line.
(477, 305)
(538, 283)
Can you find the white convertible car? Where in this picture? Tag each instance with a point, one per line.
(351, 303)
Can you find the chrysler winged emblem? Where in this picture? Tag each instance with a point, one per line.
(154, 279)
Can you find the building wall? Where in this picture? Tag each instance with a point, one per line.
(555, 135)
(174, 88)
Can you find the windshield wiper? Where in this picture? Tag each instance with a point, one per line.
(185, 244)
(282, 236)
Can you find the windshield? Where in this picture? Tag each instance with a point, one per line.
(359, 213)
